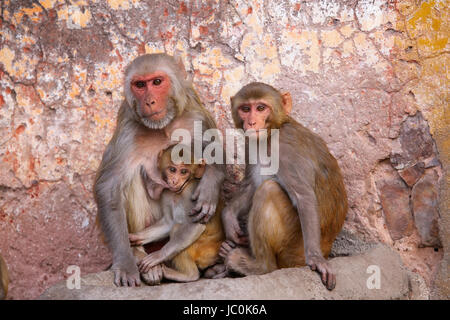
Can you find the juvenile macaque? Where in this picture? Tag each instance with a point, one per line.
(294, 215)
(4, 279)
(192, 246)
(158, 100)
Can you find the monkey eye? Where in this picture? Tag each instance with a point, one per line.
(245, 108)
(184, 171)
(172, 169)
(140, 84)
(261, 107)
(157, 82)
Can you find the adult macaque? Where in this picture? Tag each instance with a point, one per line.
(4, 279)
(158, 100)
(295, 215)
(192, 246)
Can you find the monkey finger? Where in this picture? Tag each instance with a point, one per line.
(212, 210)
(324, 276)
(160, 272)
(202, 214)
(117, 278)
(226, 246)
(197, 208)
(205, 209)
(223, 253)
(143, 267)
(131, 282)
(123, 279)
(331, 281)
(156, 275)
(137, 281)
(231, 243)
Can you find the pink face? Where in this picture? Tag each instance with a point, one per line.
(152, 91)
(176, 176)
(254, 115)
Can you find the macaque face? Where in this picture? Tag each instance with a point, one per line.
(152, 92)
(176, 176)
(254, 115)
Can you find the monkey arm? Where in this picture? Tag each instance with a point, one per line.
(111, 212)
(240, 204)
(157, 231)
(112, 219)
(208, 190)
(207, 194)
(181, 237)
(298, 180)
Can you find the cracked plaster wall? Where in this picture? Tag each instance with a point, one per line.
(364, 75)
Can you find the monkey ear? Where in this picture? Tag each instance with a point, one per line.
(287, 102)
(180, 65)
(200, 170)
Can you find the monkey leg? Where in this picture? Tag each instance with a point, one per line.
(274, 233)
(184, 268)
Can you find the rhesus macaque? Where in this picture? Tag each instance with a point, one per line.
(192, 246)
(158, 100)
(4, 279)
(295, 215)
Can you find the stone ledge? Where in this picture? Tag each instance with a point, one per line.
(292, 283)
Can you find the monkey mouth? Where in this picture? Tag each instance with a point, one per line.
(180, 189)
(153, 114)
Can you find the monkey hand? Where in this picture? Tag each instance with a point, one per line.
(154, 275)
(233, 230)
(135, 239)
(318, 263)
(126, 274)
(151, 260)
(225, 248)
(206, 197)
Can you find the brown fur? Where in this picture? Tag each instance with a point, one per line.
(310, 187)
(131, 158)
(204, 252)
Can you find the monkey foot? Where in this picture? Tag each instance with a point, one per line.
(319, 264)
(216, 272)
(236, 261)
(154, 276)
(226, 248)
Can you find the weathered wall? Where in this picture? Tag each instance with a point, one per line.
(368, 76)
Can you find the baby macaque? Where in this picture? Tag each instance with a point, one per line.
(192, 246)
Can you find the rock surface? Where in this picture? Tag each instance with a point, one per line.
(426, 214)
(292, 283)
